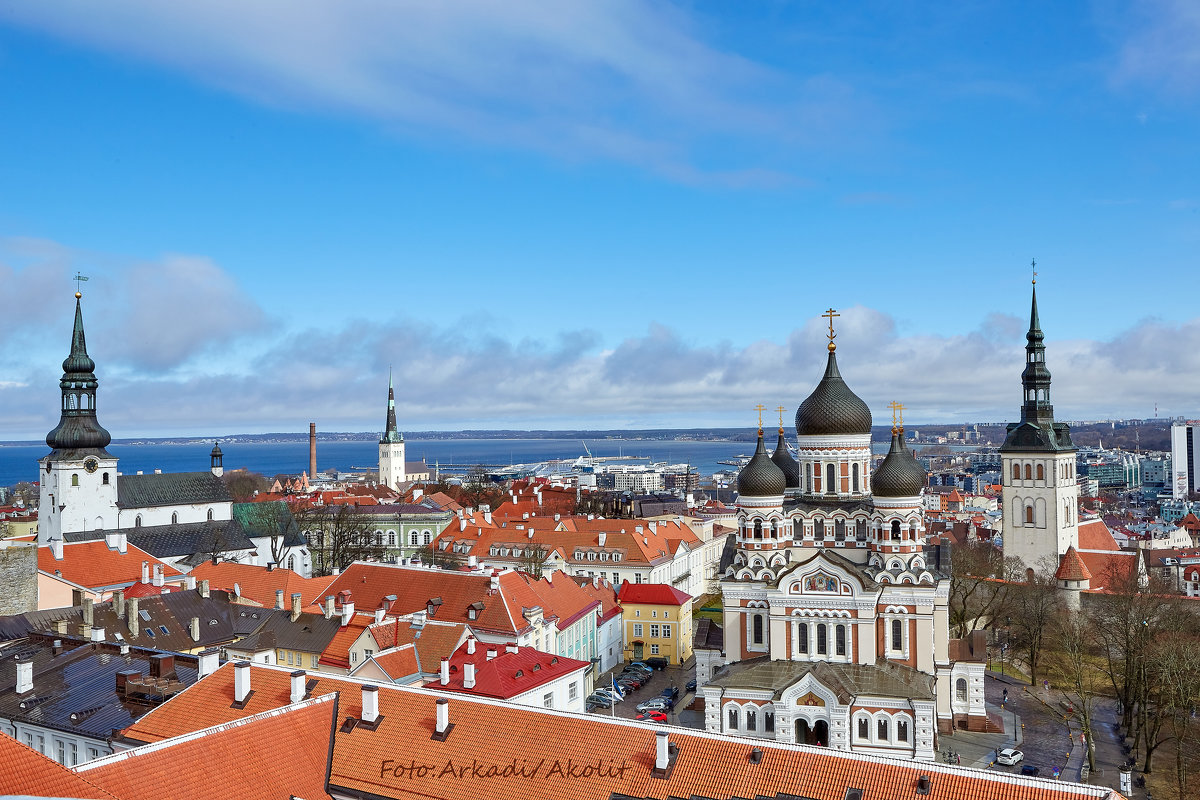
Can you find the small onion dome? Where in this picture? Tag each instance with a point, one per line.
(216, 451)
(832, 408)
(783, 459)
(760, 477)
(899, 475)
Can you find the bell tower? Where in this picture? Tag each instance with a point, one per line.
(78, 478)
(392, 471)
(1039, 490)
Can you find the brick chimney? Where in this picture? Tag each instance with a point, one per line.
(295, 606)
(162, 665)
(279, 599)
(134, 621)
(312, 449)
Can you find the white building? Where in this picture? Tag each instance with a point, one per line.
(1185, 459)
(392, 466)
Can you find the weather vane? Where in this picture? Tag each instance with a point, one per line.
(781, 409)
(830, 314)
(1033, 266)
(760, 408)
(897, 414)
(79, 278)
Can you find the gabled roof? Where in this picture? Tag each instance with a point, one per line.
(433, 640)
(25, 771)
(510, 673)
(396, 663)
(604, 593)
(259, 584)
(309, 633)
(1072, 568)
(170, 489)
(1095, 535)
(279, 753)
(94, 566)
(194, 540)
(660, 594)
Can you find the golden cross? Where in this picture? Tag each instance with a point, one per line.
(1033, 265)
(781, 409)
(760, 408)
(830, 314)
(897, 413)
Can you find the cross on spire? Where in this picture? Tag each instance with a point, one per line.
(760, 407)
(1033, 266)
(79, 278)
(897, 414)
(830, 314)
(780, 409)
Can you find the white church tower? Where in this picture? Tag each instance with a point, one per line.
(1040, 493)
(78, 478)
(391, 447)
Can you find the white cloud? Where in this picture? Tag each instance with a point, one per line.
(1162, 46)
(622, 80)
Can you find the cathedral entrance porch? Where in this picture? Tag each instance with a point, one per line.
(817, 734)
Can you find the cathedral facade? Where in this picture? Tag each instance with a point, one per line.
(835, 611)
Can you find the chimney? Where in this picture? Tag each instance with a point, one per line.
(638, 529)
(379, 614)
(270, 566)
(278, 599)
(295, 606)
(56, 547)
(462, 524)
(495, 583)
(472, 562)
(491, 654)
(653, 527)
(557, 517)
(471, 646)
(194, 629)
(347, 613)
(131, 612)
(110, 540)
(122, 543)
(328, 606)
(57, 647)
(162, 665)
(60, 626)
(487, 514)
(525, 515)
(312, 449)
(444, 672)
(370, 704)
(207, 662)
(469, 675)
(124, 677)
(241, 682)
(189, 582)
(662, 751)
(530, 534)
(595, 581)
(158, 575)
(97, 634)
(298, 686)
(145, 572)
(118, 602)
(443, 726)
(24, 677)
(603, 538)
(89, 613)
(204, 588)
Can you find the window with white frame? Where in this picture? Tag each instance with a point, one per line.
(897, 635)
(637, 629)
(751, 719)
(654, 631)
(864, 728)
(881, 729)
(902, 730)
(572, 690)
(548, 700)
(733, 719)
(769, 721)
(653, 649)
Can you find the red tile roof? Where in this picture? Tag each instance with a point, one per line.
(1109, 569)
(1072, 568)
(1095, 535)
(94, 566)
(606, 594)
(276, 754)
(25, 771)
(433, 640)
(398, 662)
(258, 584)
(509, 674)
(140, 589)
(659, 594)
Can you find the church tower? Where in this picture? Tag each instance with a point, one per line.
(1040, 494)
(78, 477)
(391, 447)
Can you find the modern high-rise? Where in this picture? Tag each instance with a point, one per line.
(1185, 459)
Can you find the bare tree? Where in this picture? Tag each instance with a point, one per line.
(243, 485)
(533, 558)
(1176, 667)
(1035, 605)
(338, 536)
(433, 555)
(980, 586)
(275, 522)
(1075, 654)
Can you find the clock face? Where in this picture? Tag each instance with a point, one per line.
(91, 465)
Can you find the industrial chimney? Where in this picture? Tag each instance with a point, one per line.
(312, 450)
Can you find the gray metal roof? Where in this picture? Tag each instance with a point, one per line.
(847, 681)
(170, 489)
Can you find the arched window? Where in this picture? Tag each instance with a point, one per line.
(733, 719)
(839, 640)
(1028, 472)
(864, 728)
(751, 720)
(902, 730)
(758, 529)
(808, 478)
(758, 629)
(104, 479)
(895, 529)
(137, 521)
(174, 517)
(1041, 473)
(210, 515)
(391, 538)
(1029, 515)
(75, 479)
(802, 637)
(72, 402)
(830, 481)
(425, 537)
(881, 729)
(839, 528)
(769, 721)
(854, 477)
(897, 635)
(818, 528)
(960, 689)
(1016, 472)
(291, 563)
(822, 639)
(412, 538)
(860, 530)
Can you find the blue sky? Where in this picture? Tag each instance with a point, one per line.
(603, 213)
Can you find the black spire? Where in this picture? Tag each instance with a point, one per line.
(390, 434)
(1037, 428)
(78, 428)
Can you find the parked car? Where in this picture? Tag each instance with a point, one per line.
(589, 706)
(656, 704)
(641, 665)
(639, 678)
(671, 693)
(658, 662)
(612, 694)
(1010, 756)
(691, 685)
(653, 716)
(1031, 770)
(600, 700)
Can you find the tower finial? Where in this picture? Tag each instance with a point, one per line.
(759, 408)
(780, 409)
(1033, 266)
(897, 416)
(830, 314)
(79, 278)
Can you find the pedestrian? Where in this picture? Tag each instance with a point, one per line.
(959, 757)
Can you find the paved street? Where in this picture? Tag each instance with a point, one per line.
(661, 679)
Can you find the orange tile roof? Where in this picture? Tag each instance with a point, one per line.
(433, 640)
(605, 593)
(398, 662)
(259, 584)
(209, 702)
(337, 652)
(278, 753)
(94, 566)
(583, 757)
(25, 771)
(1095, 535)
(140, 590)
(1072, 568)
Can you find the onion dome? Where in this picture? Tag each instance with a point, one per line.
(760, 477)
(832, 408)
(899, 475)
(216, 451)
(783, 459)
(78, 428)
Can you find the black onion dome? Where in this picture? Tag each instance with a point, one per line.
(899, 475)
(216, 451)
(78, 428)
(832, 408)
(760, 477)
(783, 459)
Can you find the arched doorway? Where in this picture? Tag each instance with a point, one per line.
(816, 734)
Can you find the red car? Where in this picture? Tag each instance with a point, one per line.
(653, 716)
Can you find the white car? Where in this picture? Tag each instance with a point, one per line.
(1010, 756)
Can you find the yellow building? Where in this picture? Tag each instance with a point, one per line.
(658, 622)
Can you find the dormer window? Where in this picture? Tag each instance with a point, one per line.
(174, 517)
